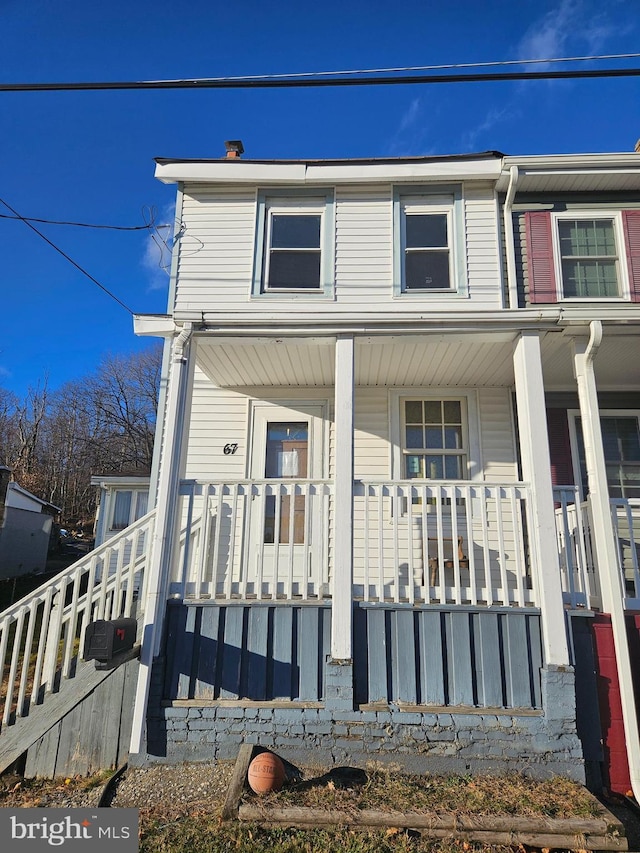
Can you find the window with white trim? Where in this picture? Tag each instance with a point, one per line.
(588, 256)
(434, 442)
(621, 443)
(128, 506)
(429, 244)
(294, 244)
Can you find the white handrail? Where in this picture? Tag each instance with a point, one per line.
(43, 633)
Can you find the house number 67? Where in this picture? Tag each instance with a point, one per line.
(229, 449)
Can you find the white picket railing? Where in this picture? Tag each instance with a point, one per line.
(442, 542)
(429, 542)
(42, 635)
(235, 540)
(626, 525)
(578, 576)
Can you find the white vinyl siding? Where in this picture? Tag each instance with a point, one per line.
(218, 244)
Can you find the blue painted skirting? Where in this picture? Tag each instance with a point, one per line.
(436, 656)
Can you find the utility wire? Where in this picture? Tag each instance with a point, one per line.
(318, 82)
(64, 255)
(450, 66)
(147, 227)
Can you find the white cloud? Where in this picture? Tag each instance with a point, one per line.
(573, 27)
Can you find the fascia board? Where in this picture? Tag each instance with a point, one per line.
(300, 173)
(231, 173)
(399, 172)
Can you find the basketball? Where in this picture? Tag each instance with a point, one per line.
(266, 773)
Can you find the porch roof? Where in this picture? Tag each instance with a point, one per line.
(444, 360)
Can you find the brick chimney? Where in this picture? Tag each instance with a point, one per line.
(234, 148)
(5, 477)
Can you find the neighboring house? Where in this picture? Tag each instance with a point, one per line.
(121, 501)
(25, 529)
(397, 464)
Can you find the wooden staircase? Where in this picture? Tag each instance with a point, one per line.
(42, 636)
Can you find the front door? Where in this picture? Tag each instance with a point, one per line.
(289, 512)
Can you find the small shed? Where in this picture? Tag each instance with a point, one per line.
(25, 528)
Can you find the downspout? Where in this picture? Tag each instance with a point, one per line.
(156, 584)
(610, 581)
(512, 284)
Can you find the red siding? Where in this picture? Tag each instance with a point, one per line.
(631, 226)
(542, 277)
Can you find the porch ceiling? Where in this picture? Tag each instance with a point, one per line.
(462, 360)
(441, 360)
(617, 362)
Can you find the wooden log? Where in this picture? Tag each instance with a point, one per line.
(566, 833)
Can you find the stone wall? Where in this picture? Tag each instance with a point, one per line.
(539, 744)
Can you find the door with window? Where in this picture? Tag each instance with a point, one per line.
(289, 510)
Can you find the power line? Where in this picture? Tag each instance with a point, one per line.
(147, 227)
(318, 82)
(64, 255)
(453, 65)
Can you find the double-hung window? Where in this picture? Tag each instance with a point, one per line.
(621, 442)
(583, 255)
(434, 444)
(294, 245)
(428, 244)
(589, 257)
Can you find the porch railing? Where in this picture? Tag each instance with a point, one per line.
(626, 526)
(460, 543)
(444, 542)
(578, 564)
(42, 635)
(578, 576)
(257, 539)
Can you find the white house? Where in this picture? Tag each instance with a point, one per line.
(397, 462)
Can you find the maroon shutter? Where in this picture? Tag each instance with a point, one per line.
(631, 227)
(542, 278)
(559, 447)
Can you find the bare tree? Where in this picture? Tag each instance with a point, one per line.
(102, 424)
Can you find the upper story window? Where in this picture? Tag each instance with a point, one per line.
(429, 240)
(589, 258)
(427, 258)
(582, 256)
(294, 244)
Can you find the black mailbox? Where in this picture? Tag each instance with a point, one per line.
(103, 640)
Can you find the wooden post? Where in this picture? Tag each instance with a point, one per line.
(342, 594)
(536, 470)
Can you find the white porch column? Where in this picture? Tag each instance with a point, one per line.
(536, 470)
(159, 566)
(342, 592)
(604, 540)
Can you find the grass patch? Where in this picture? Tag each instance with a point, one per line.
(388, 790)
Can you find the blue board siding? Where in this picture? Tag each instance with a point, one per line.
(449, 656)
(258, 652)
(452, 656)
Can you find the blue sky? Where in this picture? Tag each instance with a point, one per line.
(88, 156)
